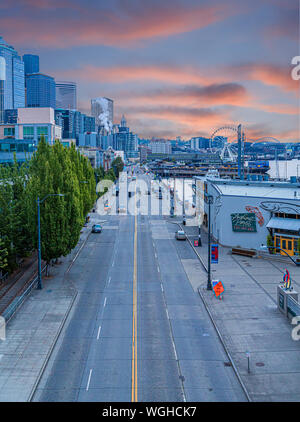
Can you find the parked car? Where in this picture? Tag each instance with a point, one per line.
(96, 228)
(180, 235)
(122, 209)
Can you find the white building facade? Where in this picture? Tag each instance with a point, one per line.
(246, 213)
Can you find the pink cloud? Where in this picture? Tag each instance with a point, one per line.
(104, 27)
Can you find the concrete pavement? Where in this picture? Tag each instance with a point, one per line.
(249, 321)
(126, 320)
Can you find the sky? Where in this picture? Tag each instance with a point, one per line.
(173, 67)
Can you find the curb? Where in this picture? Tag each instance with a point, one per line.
(215, 325)
(225, 347)
(33, 390)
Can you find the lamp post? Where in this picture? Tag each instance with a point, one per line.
(183, 207)
(209, 199)
(40, 201)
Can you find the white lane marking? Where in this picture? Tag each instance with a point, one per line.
(104, 303)
(109, 280)
(88, 383)
(158, 269)
(167, 313)
(99, 330)
(155, 255)
(162, 289)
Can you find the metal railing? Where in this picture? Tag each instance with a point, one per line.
(293, 307)
(3, 278)
(18, 300)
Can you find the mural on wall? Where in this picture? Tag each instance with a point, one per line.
(283, 207)
(243, 222)
(218, 204)
(258, 214)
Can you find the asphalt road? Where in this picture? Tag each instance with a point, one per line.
(137, 331)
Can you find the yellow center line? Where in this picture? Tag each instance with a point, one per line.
(134, 317)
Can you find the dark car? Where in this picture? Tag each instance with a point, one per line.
(96, 228)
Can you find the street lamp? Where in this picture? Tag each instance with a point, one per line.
(209, 199)
(265, 248)
(183, 207)
(40, 201)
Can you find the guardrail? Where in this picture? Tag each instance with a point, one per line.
(3, 278)
(293, 307)
(17, 302)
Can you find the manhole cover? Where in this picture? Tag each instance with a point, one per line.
(260, 364)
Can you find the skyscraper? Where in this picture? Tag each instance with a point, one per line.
(2, 79)
(31, 63)
(14, 85)
(66, 95)
(40, 90)
(102, 109)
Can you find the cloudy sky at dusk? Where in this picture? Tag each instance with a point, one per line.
(173, 67)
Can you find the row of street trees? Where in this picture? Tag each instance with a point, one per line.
(52, 170)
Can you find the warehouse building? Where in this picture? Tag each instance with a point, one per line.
(249, 214)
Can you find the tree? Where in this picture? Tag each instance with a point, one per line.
(118, 166)
(3, 257)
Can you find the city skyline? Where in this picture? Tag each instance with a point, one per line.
(177, 68)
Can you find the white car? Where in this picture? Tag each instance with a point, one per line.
(180, 235)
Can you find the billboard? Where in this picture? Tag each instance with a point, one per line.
(243, 222)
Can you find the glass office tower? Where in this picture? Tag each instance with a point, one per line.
(40, 90)
(14, 85)
(31, 63)
(66, 95)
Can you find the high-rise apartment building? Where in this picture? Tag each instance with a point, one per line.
(66, 95)
(31, 63)
(160, 146)
(102, 109)
(14, 85)
(40, 90)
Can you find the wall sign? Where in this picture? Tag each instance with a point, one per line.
(243, 222)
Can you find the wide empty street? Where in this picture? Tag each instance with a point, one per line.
(138, 330)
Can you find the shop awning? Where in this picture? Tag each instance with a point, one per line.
(284, 224)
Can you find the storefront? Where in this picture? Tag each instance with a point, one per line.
(286, 233)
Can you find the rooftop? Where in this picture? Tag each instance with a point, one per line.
(263, 189)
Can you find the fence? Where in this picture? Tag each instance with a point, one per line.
(293, 307)
(18, 300)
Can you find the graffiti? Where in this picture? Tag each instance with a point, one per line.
(258, 214)
(283, 207)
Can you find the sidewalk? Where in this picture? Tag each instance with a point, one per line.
(32, 332)
(249, 321)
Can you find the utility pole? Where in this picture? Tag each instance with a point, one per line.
(183, 208)
(209, 200)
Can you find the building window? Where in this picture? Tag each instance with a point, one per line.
(285, 215)
(5, 147)
(42, 131)
(28, 132)
(9, 131)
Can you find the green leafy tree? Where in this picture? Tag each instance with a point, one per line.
(118, 166)
(3, 257)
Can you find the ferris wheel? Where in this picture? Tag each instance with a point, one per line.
(228, 135)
